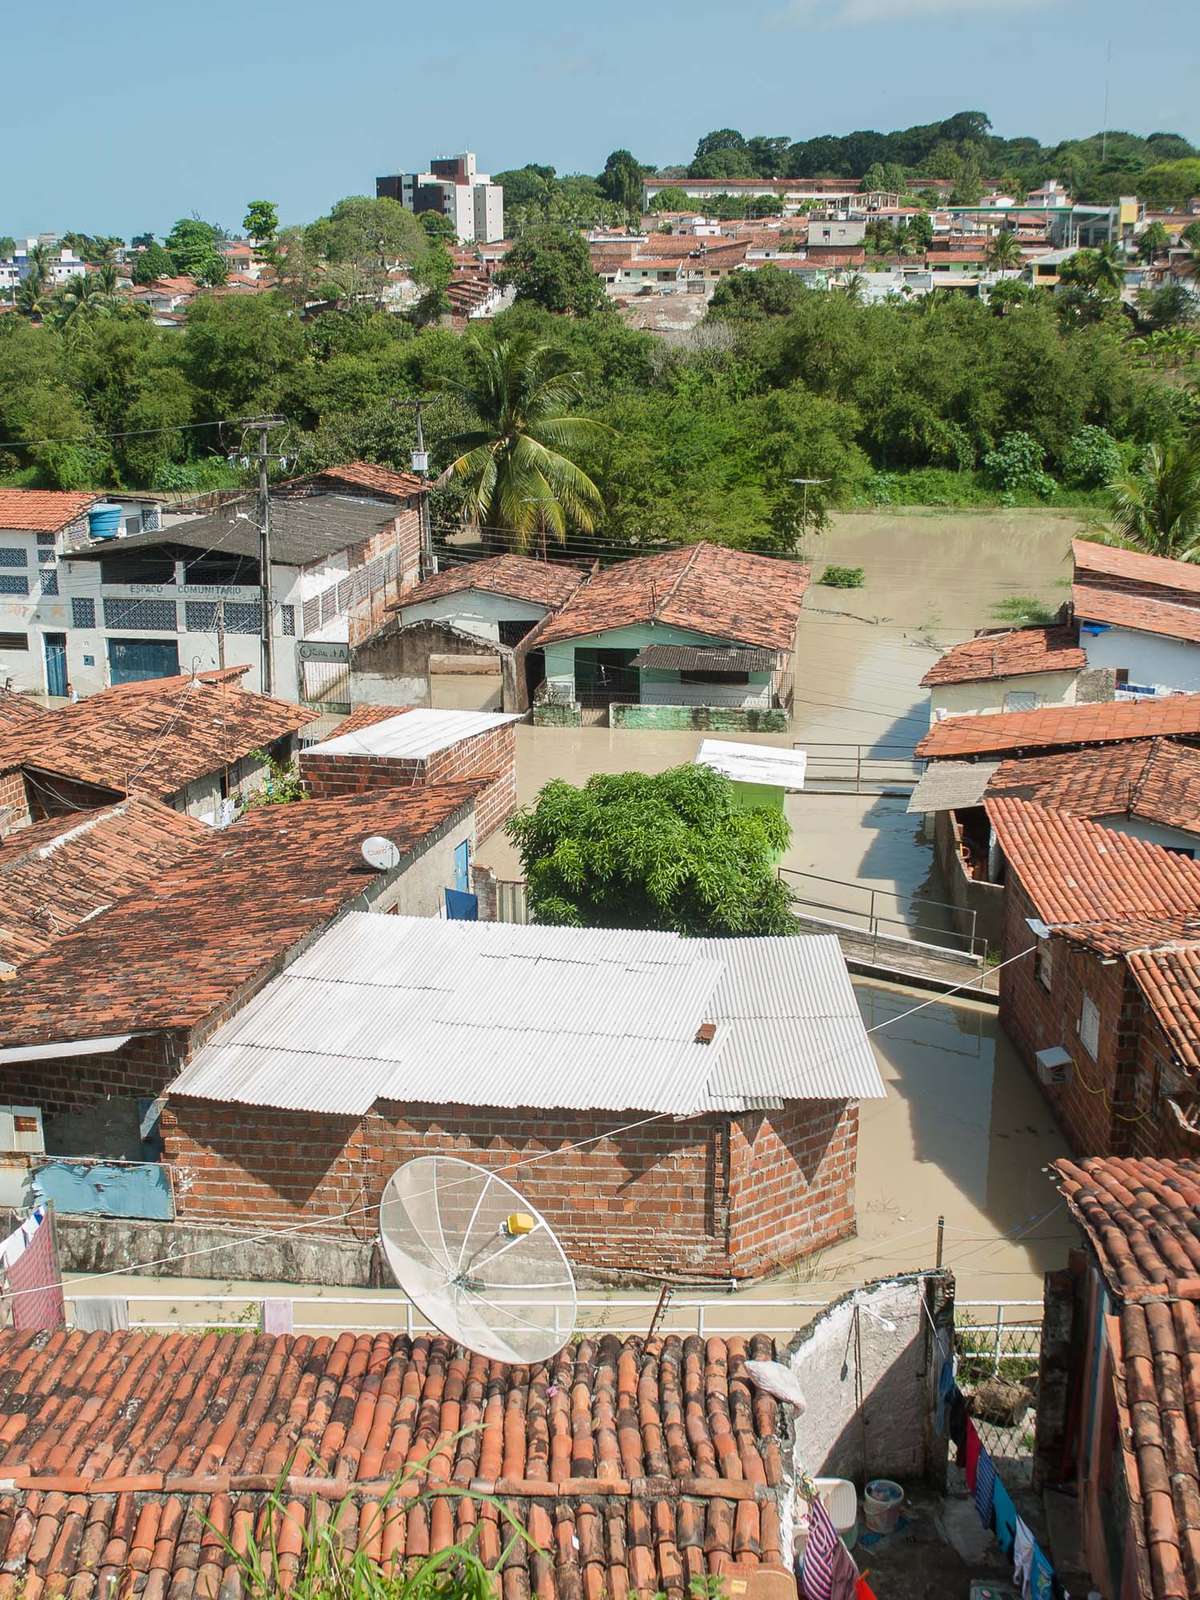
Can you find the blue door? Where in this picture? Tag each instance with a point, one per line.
(462, 866)
(56, 663)
(132, 660)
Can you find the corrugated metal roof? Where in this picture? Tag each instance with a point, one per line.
(69, 1047)
(944, 785)
(703, 658)
(413, 734)
(754, 763)
(499, 1014)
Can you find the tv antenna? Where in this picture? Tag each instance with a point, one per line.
(471, 1253)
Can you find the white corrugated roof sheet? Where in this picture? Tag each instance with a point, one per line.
(501, 1014)
(413, 735)
(754, 763)
(946, 785)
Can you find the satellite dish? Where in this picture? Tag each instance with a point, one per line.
(380, 854)
(477, 1259)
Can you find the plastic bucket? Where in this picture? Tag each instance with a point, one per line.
(882, 1500)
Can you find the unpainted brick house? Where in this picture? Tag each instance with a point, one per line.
(681, 1120)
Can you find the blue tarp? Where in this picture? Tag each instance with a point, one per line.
(107, 1189)
(461, 907)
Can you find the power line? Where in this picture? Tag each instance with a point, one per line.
(126, 433)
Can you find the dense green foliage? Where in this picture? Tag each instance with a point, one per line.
(549, 266)
(668, 851)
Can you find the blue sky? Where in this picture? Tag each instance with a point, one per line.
(122, 117)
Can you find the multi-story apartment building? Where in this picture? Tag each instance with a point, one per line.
(453, 186)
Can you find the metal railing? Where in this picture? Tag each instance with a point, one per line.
(727, 1313)
(860, 768)
(912, 924)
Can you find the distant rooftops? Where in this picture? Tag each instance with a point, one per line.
(43, 510)
(543, 583)
(1013, 654)
(1104, 722)
(1157, 780)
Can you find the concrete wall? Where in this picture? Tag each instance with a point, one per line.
(847, 1351)
(988, 694)
(1148, 658)
(392, 666)
(474, 611)
(1153, 832)
(967, 894)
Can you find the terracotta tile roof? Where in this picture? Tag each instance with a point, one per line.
(545, 583)
(1155, 779)
(1142, 1218)
(1142, 612)
(634, 1466)
(156, 736)
(19, 711)
(43, 510)
(366, 475)
(1078, 871)
(58, 873)
(1110, 561)
(1106, 722)
(1006, 655)
(706, 588)
(217, 923)
(1170, 980)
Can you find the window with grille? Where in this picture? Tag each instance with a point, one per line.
(11, 584)
(12, 555)
(242, 617)
(289, 620)
(14, 641)
(49, 580)
(200, 616)
(45, 539)
(154, 616)
(1089, 1027)
(83, 613)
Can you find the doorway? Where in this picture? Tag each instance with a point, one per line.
(55, 645)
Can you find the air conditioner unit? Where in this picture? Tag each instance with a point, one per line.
(21, 1131)
(1054, 1067)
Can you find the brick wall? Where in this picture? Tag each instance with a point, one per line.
(713, 1195)
(14, 803)
(141, 1068)
(1035, 1019)
(50, 795)
(482, 755)
(1157, 1129)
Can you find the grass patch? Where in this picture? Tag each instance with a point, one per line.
(941, 487)
(1024, 610)
(843, 577)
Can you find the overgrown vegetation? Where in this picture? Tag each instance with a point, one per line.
(843, 577)
(668, 851)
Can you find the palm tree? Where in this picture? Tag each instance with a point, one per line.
(1109, 270)
(1004, 252)
(1153, 240)
(77, 297)
(31, 297)
(37, 266)
(1156, 506)
(518, 481)
(854, 287)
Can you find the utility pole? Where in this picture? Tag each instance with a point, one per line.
(420, 465)
(262, 426)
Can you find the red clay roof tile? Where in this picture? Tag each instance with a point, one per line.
(705, 588)
(545, 583)
(1101, 561)
(365, 475)
(1006, 655)
(125, 1448)
(1144, 613)
(1157, 780)
(215, 924)
(43, 510)
(1105, 722)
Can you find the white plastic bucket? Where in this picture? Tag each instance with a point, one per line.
(882, 1500)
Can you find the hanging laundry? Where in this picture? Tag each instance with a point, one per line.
(945, 1394)
(863, 1590)
(985, 1487)
(35, 1282)
(1041, 1575)
(1024, 1544)
(829, 1569)
(971, 1456)
(278, 1316)
(1004, 1517)
(958, 1421)
(101, 1313)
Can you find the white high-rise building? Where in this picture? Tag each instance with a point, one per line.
(453, 186)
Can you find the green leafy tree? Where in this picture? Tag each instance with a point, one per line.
(8, 246)
(1016, 465)
(151, 263)
(621, 180)
(1152, 241)
(669, 851)
(768, 154)
(767, 292)
(968, 184)
(211, 269)
(1191, 235)
(550, 267)
(673, 198)
(1170, 183)
(432, 275)
(349, 253)
(1004, 251)
(192, 243)
(261, 221)
(518, 478)
(885, 175)
(1171, 306)
(238, 353)
(1092, 457)
(439, 226)
(1155, 506)
(722, 154)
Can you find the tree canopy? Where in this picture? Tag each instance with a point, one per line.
(550, 267)
(668, 851)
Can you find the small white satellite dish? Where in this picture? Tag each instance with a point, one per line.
(477, 1259)
(380, 854)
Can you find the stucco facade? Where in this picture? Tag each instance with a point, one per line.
(997, 694)
(1149, 659)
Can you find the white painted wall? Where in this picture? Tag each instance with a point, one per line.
(1153, 832)
(1148, 658)
(988, 694)
(474, 611)
(889, 1438)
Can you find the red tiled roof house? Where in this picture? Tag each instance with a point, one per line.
(1118, 1421)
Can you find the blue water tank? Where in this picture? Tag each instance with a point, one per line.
(104, 520)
